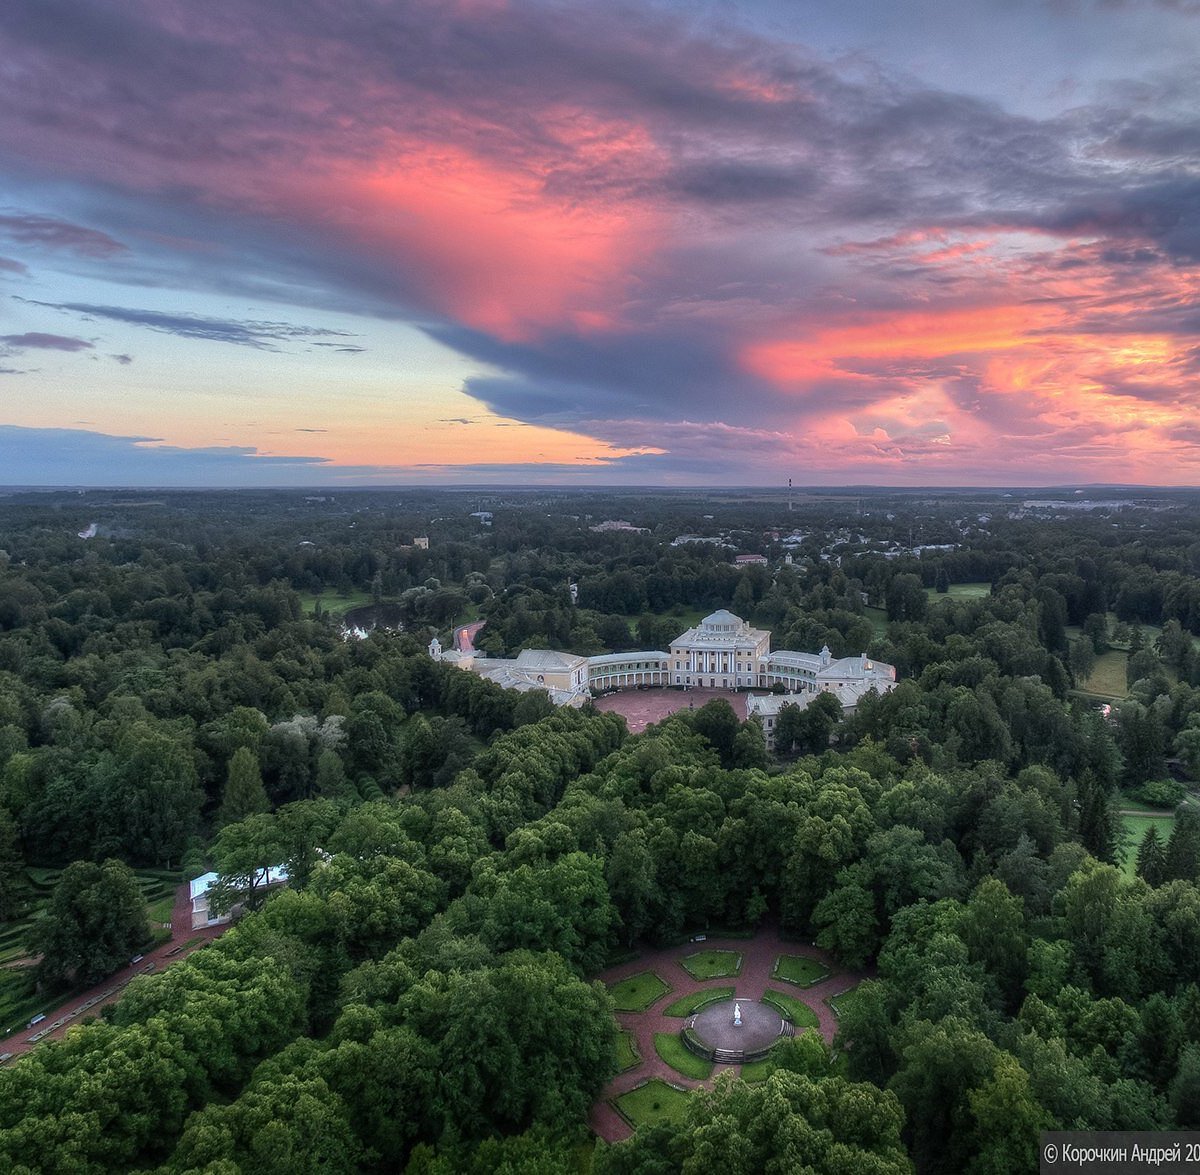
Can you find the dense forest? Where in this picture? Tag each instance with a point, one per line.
(193, 687)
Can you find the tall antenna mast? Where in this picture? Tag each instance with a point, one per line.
(789, 495)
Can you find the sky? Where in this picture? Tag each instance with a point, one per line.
(377, 242)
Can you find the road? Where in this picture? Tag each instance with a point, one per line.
(465, 634)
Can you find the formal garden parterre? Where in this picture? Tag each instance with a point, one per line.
(699, 975)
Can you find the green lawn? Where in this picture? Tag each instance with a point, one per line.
(1108, 678)
(961, 591)
(878, 619)
(839, 1003)
(638, 992)
(675, 1053)
(799, 970)
(758, 1070)
(627, 1052)
(1135, 829)
(712, 964)
(689, 1004)
(1129, 804)
(652, 1103)
(797, 1011)
(334, 603)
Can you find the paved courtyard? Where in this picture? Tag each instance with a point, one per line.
(758, 961)
(643, 706)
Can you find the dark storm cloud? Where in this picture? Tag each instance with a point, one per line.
(568, 377)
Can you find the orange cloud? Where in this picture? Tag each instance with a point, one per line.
(493, 245)
(921, 334)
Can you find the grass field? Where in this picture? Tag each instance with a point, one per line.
(799, 970)
(334, 603)
(654, 1102)
(878, 619)
(961, 591)
(675, 1053)
(1135, 829)
(1129, 804)
(1108, 678)
(758, 1070)
(795, 1010)
(689, 1004)
(839, 1003)
(712, 964)
(627, 1052)
(638, 992)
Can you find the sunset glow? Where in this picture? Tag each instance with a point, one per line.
(476, 242)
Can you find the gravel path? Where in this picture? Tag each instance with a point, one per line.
(640, 707)
(758, 960)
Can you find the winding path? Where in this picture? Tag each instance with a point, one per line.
(758, 961)
(464, 636)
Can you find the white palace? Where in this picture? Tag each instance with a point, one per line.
(721, 652)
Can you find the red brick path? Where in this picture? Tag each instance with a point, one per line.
(160, 957)
(758, 960)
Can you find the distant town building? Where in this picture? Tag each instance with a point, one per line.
(684, 540)
(618, 524)
(421, 542)
(750, 560)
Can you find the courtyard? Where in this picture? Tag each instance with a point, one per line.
(641, 707)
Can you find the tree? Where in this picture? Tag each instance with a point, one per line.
(1142, 743)
(1082, 657)
(816, 722)
(941, 582)
(1095, 628)
(788, 728)
(1008, 1121)
(1151, 860)
(94, 921)
(993, 927)
(942, 1065)
(1183, 849)
(905, 598)
(789, 1122)
(243, 853)
(1184, 1091)
(244, 792)
(278, 1126)
(846, 919)
(717, 722)
(14, 889)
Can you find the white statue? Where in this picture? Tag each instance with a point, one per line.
(737, 1014)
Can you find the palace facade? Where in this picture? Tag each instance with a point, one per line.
(722, 652)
